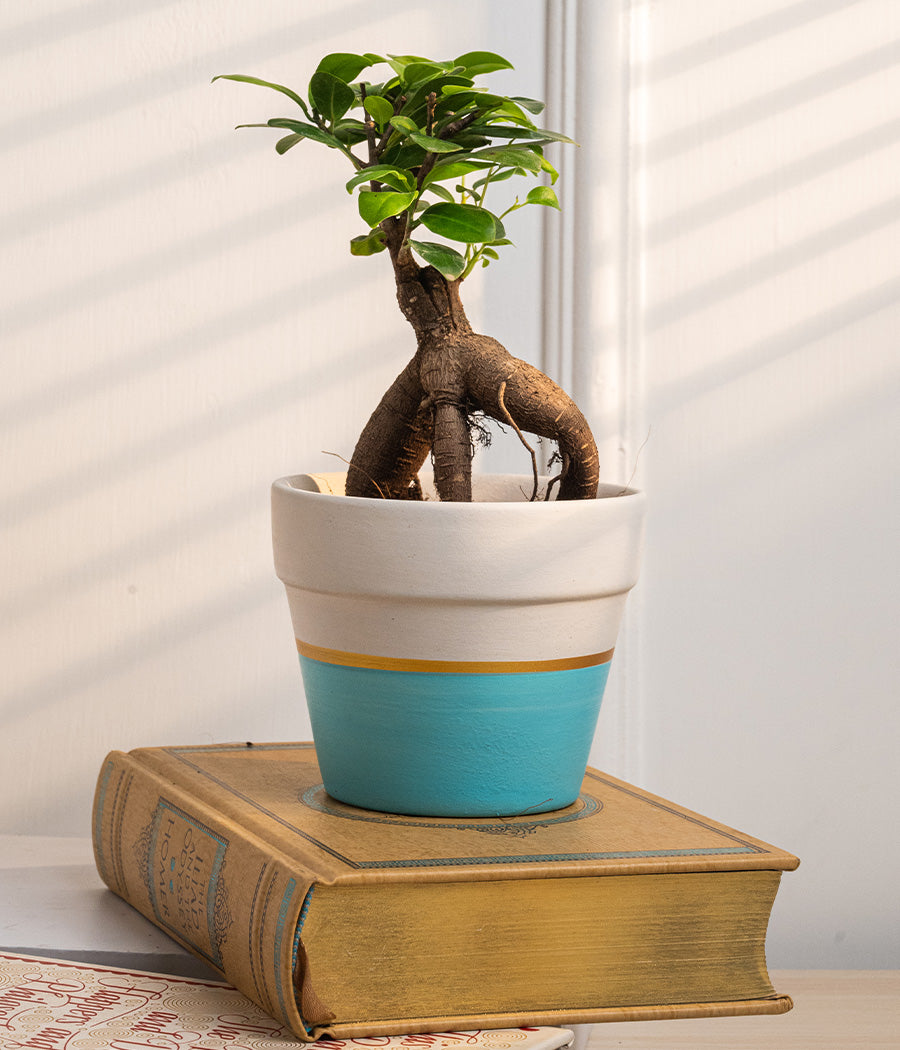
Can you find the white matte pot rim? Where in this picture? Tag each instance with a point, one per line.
(485, 488)
(556, 551)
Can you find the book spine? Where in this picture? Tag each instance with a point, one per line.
(216, 888)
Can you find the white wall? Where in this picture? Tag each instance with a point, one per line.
(763, 332)
(182, 322)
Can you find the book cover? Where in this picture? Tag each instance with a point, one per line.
(348, 922)
(54, 1004)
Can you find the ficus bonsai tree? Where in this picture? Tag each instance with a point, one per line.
(426, 145)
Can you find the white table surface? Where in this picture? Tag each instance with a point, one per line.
(53, 903)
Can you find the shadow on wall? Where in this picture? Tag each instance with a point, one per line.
(813, 141)
(152, 86)
(169, 345)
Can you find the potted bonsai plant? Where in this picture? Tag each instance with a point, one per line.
(454, 640)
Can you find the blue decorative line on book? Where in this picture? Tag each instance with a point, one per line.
(279, 937)
(449, 862)
(304, 911)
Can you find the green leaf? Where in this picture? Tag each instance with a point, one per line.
(446, 261)
(240, 78)
(542, 195)
(533, 105)
(455, 95)
(416, 104)
(470, 142)
(502, 131)
(283, 145)
(386, 173)
(501, 106)
(308, 131)
(346, 66)
(404, 124)
(415, 72)
(513, 112)
(331, 96)
(511, 157)
(533, 136)
(478, 62)
(368, 243)
(399, 62)
(553, 136)
(375, 207)
(433, 145)
(462, 222)
(379, 109)
(408, 155)
(500, 176)
(439, 191)
(551, 171)
(350, 132)
(453, 169)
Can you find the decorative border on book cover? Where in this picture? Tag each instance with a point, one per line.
(587, 805)
(183, 867)
(584, 806)
(112, 793)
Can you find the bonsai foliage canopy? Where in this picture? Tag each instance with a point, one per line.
(426, 145)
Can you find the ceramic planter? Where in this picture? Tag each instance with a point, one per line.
(454, 655)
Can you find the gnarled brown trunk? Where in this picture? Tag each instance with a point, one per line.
(454, 373)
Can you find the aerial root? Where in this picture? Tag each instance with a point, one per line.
(353, 466)
(561, 475)
(521, 436)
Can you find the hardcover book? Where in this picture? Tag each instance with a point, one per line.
(345, 922)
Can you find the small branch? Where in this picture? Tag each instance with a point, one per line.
(395, 230)
(369, 122)
(454, 127)
(430, 103)
(521, 436)
(446, 132)
(382, 142)
(319, 121)
(425, 169)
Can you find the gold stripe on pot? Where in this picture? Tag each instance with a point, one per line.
(392, 663)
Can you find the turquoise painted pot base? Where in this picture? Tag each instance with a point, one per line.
(453, 744)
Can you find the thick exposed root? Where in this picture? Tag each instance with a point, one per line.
(394, 444)
(454, 373)
(452, 453)
(505, 387)
(427, 409)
